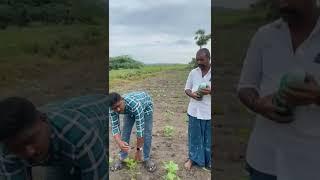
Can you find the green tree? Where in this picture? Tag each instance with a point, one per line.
(202, 38)
(124, 62)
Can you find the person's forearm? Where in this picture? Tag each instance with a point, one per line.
(139, 142)
(117, 138)
(188, 92)
(249, 97)
(209, 90)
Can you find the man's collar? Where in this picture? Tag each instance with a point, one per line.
(198, 69)
(280, 24)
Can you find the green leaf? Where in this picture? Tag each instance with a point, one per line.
(110, 160)
(171, 167)
(168, 131)
(171, 176)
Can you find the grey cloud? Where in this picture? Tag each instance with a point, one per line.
(177, 19)
(182, 42)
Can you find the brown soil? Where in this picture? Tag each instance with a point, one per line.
(170, 102)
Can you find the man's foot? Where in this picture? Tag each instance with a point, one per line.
(206, 169)
(208, 166)
(188, 164)
(150, 166)
(118, 165)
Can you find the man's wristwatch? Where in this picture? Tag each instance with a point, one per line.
(139, 149)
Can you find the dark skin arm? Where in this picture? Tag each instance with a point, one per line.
(306, 94)
(262, 105)
(192, 95)
(206, 91)
(139, 145)
(249, 97)
(139, 142)
(125, 146)
(122, 145)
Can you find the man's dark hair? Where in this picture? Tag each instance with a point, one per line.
(114, 98)
(16, 114)
(205, 51)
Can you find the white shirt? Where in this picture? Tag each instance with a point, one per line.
(289, 151)
(199, 109)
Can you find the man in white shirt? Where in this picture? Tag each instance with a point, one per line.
(199, 112)
(284, 146)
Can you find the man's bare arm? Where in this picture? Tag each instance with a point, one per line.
(249, 97)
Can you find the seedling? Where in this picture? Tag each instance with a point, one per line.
(168, 131)
(171, 169)
(132, 165)
(168, 115)
(171, 113)
(110, 160)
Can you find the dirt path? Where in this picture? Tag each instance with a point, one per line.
(167, 90)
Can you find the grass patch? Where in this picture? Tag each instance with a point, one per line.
(34, 51)
(48, 40)
(120, 76)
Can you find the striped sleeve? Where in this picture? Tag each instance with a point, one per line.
(115, 123)
(139, 118)
(13, 169)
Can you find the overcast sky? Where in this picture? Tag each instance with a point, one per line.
(157, 31)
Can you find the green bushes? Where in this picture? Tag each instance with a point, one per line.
(60, 43)
(124, 62)
(23, 12)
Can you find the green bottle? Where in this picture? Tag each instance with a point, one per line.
(201, 86)
(291, 79)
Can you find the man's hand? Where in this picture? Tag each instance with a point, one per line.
(195, 96)
(266, 108)
(121, 144)
(206, 91)
(306, 94)
(124, 146)
(262, 105)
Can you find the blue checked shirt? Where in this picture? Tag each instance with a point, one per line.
(78, 140)
(137, 104)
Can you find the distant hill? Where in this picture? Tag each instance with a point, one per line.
(233, 4)
(163, 64)
(221, 9)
